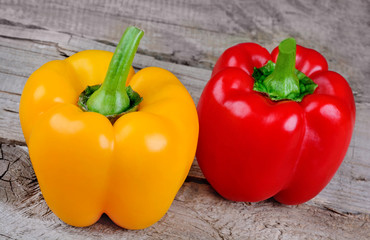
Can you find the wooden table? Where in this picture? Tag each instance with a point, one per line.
(186, 37)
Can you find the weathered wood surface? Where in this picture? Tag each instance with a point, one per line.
(186, 38)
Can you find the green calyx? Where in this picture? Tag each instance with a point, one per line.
(134, 97)
(113, 98)
(282, 81)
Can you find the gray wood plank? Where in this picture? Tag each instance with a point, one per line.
(195, 33)
(196, 213)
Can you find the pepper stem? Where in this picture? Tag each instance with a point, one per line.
(283, 82)
(111, 98)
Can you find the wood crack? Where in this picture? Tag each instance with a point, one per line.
(10, 111)
(345, 214)
(12, 141)
(196, 180)
(18, 24)
(11, 93)
(48, 43)
(6, 236)
(5, 172)
(193, 62)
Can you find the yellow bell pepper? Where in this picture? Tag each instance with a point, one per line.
(85, 164)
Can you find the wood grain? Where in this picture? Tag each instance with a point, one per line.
(181, 31)
(195, 33)
(186, 37)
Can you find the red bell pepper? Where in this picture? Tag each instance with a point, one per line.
(270, 130)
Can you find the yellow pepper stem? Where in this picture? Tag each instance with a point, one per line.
(112, 98)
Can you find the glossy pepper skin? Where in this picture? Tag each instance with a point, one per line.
(251, 148)
(86, 166)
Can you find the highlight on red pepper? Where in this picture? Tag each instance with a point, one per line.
(273, 125)
(103, 139)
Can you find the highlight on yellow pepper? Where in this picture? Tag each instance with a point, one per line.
(123, 148)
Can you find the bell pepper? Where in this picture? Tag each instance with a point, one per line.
(122, 148)
(273, 125)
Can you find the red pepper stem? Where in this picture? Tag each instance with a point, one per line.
(111, 98)
(283, 82)
(285, 63)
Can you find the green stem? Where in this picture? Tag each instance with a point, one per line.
(111, 98)
(283, 82)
